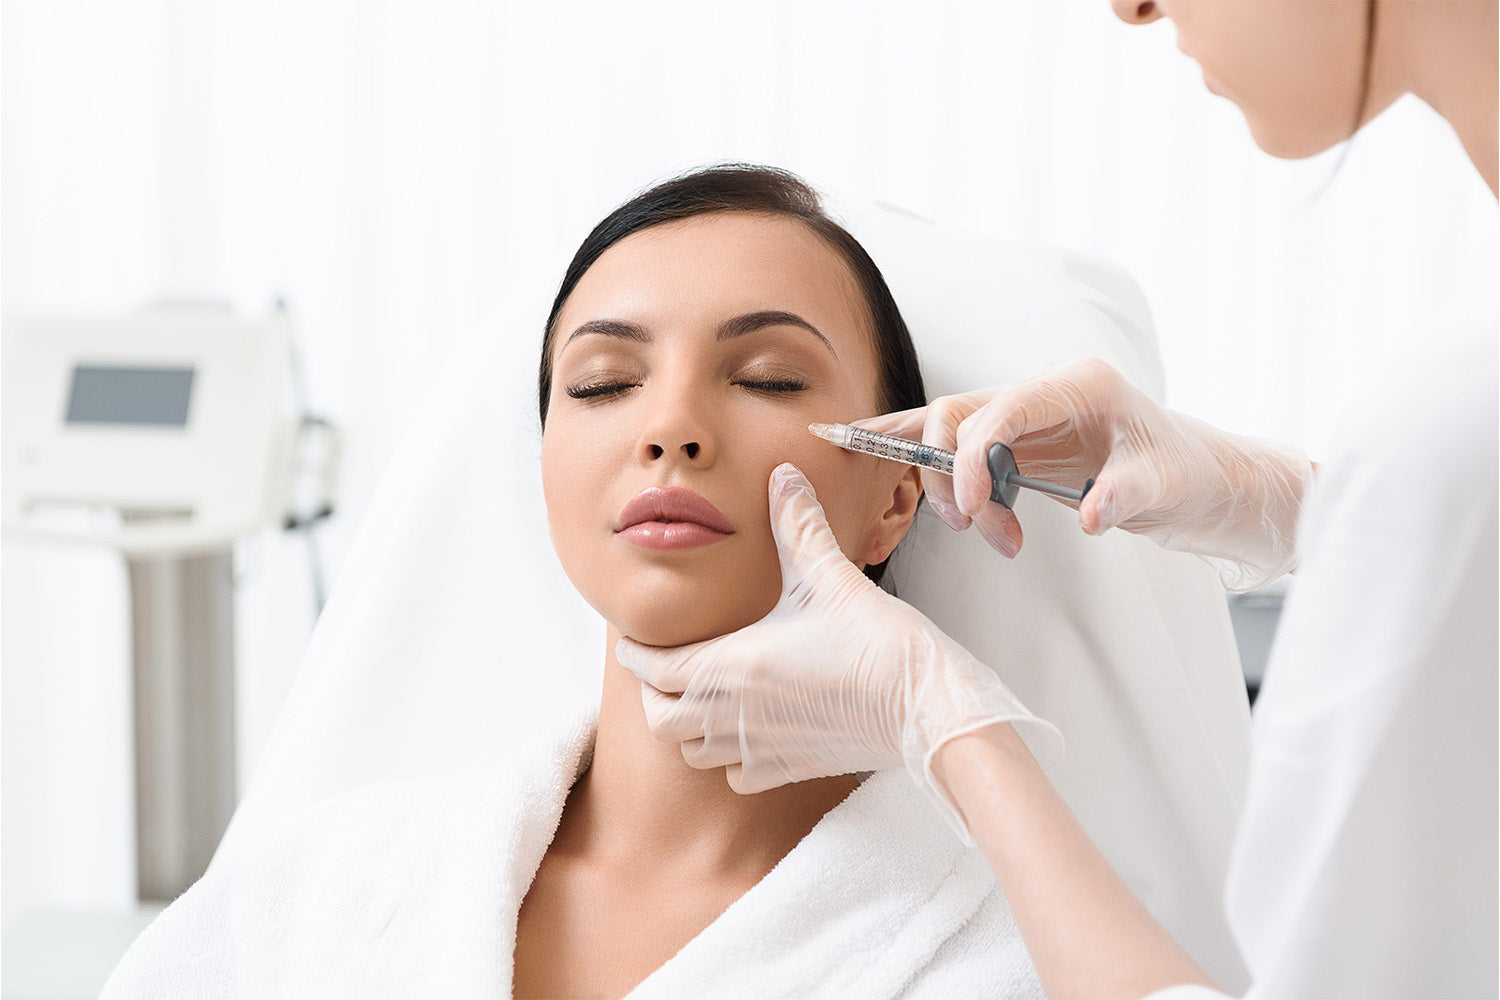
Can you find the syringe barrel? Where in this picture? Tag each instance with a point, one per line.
(901, 450)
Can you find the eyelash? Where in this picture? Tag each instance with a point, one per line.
(607, 389)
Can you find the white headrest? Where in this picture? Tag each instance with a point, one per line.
(452, 626)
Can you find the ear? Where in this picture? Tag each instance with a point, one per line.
(892, 524)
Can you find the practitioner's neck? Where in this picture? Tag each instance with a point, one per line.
(1449, 51)
(639, 797)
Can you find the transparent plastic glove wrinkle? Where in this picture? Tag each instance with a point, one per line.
(1232, 500)
(839, 677)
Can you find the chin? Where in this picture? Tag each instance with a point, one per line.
(677, 599)
(671, 617)
(661, 625)
(669, 633)
(1294, 144)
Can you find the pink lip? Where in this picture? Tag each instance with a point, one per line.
(672, 518)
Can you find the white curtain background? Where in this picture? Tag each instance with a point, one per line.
(387, 166)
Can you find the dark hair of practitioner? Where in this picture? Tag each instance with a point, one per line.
(740, 187)
(1366, 73)
(1366, 70)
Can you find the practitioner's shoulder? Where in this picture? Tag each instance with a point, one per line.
(1423, 435)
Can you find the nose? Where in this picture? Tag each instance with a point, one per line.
(689, 448)
(1137, 11)
(676, 432)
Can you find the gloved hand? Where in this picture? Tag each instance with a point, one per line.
(1232, 500)
(839, 677)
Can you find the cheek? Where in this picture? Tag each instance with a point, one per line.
(843, 482)
(667, 602)
(561, 474)
(657, 600)
(570, 483)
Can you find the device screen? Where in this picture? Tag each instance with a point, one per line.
(116, 395)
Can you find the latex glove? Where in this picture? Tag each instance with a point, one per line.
(839, 677)
(1233, 500)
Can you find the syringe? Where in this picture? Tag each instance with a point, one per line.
(1006, 481)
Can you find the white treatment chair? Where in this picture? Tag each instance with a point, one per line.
(415, 668)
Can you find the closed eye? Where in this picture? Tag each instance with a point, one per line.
(775, 385)
(593, 390)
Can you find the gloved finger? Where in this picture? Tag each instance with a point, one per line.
(903, 423)
(929, 481)
(1057, 455)
(935, 424)
(944, 417)
(754, 780)
(671, 718)
(1033, 406)
(809, 552)
(1072, 393)
(715, 750)
(1125, 487)
(666, 668)
(939, 491)
(1000, 528)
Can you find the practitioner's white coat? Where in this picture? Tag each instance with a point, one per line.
(412, 889)
(1365, 865)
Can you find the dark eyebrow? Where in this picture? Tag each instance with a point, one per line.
(750, 322)
(609, 328)
(728, 330)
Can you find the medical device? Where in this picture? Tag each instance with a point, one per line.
(1006, 480)
(166, 435)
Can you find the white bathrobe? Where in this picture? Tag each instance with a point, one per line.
(407, 889)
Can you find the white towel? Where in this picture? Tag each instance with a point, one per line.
(408, 889)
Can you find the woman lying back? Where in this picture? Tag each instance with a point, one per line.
(699, 328)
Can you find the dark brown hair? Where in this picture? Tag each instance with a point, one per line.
(743, 187)
(1367, 70)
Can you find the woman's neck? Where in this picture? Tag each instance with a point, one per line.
(639, 799)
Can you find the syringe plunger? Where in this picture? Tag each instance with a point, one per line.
(1006, 481)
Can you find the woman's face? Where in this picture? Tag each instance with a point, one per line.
(691, 355)
(1294, 67)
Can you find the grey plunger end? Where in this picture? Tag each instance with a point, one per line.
(1007, 482)
(1002, 470)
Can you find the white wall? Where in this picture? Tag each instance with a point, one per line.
(385, 165)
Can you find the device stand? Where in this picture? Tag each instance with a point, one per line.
(182, 618)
